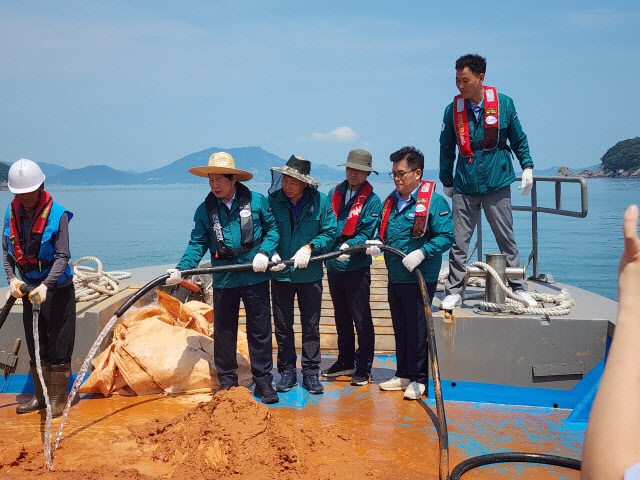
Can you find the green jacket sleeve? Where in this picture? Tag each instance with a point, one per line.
(441, 229)
(448, 143)
(269, 227)
(369, 222)
(517, 138)
(323, 242)
(199, 242)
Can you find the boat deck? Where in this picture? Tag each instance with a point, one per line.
(398, 437)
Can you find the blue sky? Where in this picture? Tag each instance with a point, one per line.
(136, 85)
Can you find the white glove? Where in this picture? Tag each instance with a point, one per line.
(175, 277)
(448, 191)
(276, 259)
(40, 291)
(260, 262)
(344, 257)
(301, 258)
(413, 259)
(14, 288)
(527, 181)
(373, 248)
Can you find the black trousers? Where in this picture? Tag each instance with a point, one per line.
(309, 304)
(56, 326)
(410, 329)
(350, 293)
(226, 306)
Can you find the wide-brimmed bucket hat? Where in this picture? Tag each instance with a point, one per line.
(298, 167)
(221, 163)
(359, 160)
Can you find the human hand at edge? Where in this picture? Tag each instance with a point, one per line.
(175, 277)
(279, 266)
(40, 291)
(629, 269)
(260, 262)
(344, 257)
(413, 259)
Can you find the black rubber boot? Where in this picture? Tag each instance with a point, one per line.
(57, 386)
(37, 402)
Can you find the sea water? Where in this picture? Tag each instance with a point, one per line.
(135, 226)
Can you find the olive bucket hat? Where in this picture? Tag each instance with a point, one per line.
(359, 160)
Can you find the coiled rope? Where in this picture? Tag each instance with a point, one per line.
(563, 301)
(91, 282)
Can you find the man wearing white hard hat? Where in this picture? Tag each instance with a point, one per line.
(36, 247)
(237, 227)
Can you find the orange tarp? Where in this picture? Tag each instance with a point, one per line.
(166, 347)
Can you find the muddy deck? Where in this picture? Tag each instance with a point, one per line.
(397, 437)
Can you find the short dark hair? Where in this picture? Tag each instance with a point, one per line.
(412, 155)
(475, 62)
(228, 175)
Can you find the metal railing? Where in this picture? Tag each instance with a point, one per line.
(535, 209)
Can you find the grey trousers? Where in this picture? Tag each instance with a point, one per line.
(466, 213)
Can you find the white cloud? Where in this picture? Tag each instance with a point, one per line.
(340, 134)
(600, 19)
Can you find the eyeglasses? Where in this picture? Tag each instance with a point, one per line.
(400, 175)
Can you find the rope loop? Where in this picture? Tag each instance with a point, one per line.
(90, 282)
(563, 301)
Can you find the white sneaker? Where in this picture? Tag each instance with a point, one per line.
(451, 301)
(526, 296)
(395, 383)
(414, 391)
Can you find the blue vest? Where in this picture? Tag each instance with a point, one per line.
(46, 253)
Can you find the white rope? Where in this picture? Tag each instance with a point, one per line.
(91, 282)
(563, 301)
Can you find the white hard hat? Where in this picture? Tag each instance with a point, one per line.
(25, 176)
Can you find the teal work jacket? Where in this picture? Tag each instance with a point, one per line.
(489, 170)
(315, 225)
(366, 228)
(436, 240)
(202, 239)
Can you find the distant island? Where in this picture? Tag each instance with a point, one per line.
(620, 161)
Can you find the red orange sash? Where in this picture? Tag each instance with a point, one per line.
(356, 208)
(421, 212)
(30, 253)
(491, 122)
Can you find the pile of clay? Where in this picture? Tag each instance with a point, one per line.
(229, 437)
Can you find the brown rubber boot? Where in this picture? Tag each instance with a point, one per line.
(57, 386)
(37, 402)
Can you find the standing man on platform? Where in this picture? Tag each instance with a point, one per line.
(36, 243)
(479, 122)
(417, 221)
(357, 210)
(237, 226)
(306, 225)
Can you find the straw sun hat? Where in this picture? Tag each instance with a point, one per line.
(221, 163)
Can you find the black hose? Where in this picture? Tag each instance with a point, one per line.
(513, 457)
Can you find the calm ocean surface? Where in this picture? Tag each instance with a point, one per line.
(129, 227)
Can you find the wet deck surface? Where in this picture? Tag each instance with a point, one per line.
(398, 437)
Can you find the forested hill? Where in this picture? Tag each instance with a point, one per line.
(623, 159)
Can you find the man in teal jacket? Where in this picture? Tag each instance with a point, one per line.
(357, 210)
(417, 221)
(236, 226)
(479, 122)
(306, 225)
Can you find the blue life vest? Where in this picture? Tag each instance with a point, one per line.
(46, 253)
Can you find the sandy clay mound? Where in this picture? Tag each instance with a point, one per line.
(230, 437)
